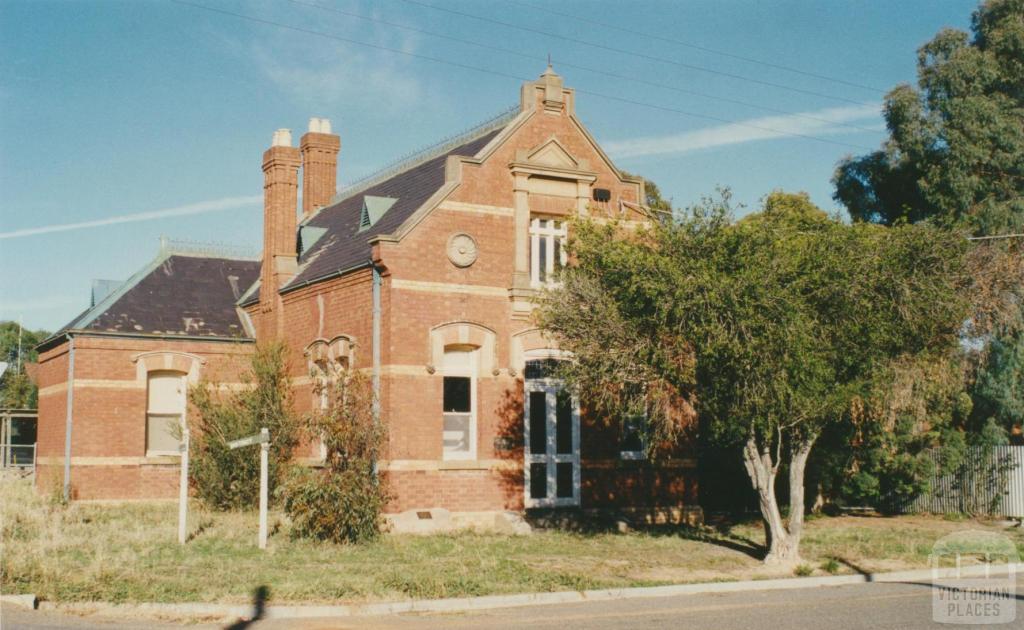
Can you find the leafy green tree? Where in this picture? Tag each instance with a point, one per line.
(999, 389)
(769, 327)
(878, 453)
(955, 152)
(229, 479)
(955, 157)
(16, 389)
(342, 500)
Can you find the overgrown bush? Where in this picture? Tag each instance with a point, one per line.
(342, 501)
(229, 479)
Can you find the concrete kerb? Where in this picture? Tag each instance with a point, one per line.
(467, 604)
(25, 601)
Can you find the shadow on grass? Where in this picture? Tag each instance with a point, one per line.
(259, 608)
(204, 524)
(718, 535)
(588, 524)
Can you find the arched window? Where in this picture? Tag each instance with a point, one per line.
(165, 412)
(327, 361)
(459, 371)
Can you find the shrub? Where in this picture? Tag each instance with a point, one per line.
(229, 479)
(803, 570)
(342, 501)
(830, 566)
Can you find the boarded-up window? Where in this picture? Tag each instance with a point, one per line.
(165, 412)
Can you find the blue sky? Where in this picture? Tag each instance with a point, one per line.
(159, 112)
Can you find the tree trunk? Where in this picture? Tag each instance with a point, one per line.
(797, 466)
(782, 543)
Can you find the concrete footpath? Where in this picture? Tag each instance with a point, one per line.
(200, 611)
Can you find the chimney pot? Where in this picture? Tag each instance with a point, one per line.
(282, 138)
(319, 148)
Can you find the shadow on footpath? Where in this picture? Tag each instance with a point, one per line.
(259, 606)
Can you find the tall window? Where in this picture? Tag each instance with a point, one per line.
(325, 375)
(459, 404)
(547, 250)
(165, 412)
(633, 442)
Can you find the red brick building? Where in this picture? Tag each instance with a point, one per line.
(421, 276)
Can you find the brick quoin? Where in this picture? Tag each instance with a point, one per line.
(541, 157)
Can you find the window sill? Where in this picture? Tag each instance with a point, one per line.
(463, 464)
(632, 456)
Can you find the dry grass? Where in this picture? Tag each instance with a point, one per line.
(127, 553)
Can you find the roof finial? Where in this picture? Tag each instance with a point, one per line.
(550, 71)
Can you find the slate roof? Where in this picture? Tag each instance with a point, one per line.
(177, 294)
(343, 246)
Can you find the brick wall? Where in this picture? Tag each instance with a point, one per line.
(422, 290)
(108, 450)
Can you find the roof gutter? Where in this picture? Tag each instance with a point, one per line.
(49, 343)
(70, 413)
(328, 276)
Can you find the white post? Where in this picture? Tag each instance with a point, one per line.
(264, 451)
(183, 489)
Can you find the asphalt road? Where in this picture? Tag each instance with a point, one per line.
(904, 606)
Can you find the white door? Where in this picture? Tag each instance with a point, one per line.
(552, 440)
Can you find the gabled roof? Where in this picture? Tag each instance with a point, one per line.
(178, 294)
(388, 200)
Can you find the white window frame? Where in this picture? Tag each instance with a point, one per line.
(642, 453)
(551, 458)
(470, 371)
(549, 234)
(150, 413)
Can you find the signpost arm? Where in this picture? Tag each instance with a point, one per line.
(183, 488)
(264, 451)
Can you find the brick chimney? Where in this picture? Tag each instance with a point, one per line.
(280, 198)
(319, 149)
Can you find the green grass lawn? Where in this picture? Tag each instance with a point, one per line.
(128, 553)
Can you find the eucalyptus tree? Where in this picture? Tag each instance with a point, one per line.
(954, 156)
(955, 148)
(767, 328)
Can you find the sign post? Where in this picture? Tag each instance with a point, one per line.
(264, 463)
(183, 488)
(263, 439)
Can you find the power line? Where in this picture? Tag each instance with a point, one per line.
(566, 64)
(622, 51)
(505, 75)
(713, 51)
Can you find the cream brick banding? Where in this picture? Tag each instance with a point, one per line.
(447, 287)
(431, 465)
(476, 208)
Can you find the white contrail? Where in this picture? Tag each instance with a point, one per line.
(201, 207)
(821, 122)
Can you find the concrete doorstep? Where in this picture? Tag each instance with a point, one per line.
(465, 604)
